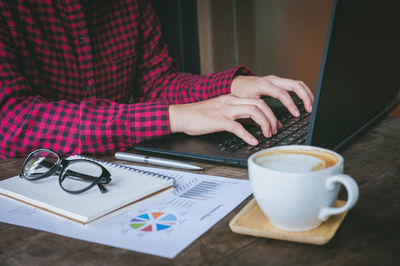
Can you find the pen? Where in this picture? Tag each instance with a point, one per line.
(156, 161)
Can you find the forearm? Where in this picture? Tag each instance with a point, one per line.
(95, 126)
(178, 88)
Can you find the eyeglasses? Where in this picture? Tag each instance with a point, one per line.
(75, 176)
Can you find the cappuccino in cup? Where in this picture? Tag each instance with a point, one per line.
(296, 160)
(295, 186)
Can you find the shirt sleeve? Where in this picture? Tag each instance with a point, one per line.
(30, 121)
(158, 72)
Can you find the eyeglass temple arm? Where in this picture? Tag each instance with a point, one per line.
(102, 188)
(90, 178)
(76, 174)
(48, 164)
(102, 180)
(53, 168)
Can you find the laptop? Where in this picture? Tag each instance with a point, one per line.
(358, 84)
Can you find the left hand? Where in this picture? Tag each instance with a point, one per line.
(276, 87)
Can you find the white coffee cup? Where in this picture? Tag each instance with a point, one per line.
(295, 185)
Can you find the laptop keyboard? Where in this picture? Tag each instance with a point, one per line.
(294, 131)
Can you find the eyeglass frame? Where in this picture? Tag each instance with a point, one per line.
(60, 165)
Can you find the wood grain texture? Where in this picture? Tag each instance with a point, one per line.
(252, 221)
(368, 236)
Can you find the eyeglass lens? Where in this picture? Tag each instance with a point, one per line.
(39, 163)
(79, 175)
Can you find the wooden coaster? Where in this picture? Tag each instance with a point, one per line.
(252, 221)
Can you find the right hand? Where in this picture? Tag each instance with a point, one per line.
(220, 114)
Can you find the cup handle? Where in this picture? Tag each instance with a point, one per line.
(352, 195)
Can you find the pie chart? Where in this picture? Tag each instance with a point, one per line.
(153, 221)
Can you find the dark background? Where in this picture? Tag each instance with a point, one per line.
(180, 31)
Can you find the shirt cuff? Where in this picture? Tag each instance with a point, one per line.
(222, 80)
(240, 71)
(149, 120)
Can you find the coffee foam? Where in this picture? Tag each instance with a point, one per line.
(296, 160)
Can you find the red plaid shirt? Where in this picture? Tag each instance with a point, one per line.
(69, 69)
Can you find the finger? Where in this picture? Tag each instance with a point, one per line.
(282, 95)
(265, 109)
(299, 87)
(253, 112)
(304, 93)
(308, 90)
(301, 92)
(237, 129)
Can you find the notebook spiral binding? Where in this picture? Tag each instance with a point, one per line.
(129, 168)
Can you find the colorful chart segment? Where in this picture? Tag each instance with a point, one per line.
(154, 221)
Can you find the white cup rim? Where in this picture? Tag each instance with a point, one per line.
(290, 147)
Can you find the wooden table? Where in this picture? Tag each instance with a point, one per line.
(369, 234)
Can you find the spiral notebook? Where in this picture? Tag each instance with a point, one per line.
(128, 186)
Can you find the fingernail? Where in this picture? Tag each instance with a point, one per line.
(275, 131)
(310, 107)
(253, 141)
(296, 112)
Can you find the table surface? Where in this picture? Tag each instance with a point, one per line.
(368, 235)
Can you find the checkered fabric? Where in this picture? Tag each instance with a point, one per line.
(69, 67)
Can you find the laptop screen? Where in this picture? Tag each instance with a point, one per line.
(359, 72)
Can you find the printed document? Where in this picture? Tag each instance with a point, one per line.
(162, 225)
